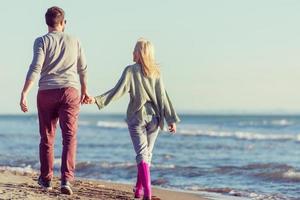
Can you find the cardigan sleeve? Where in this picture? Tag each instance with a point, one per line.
(115, 93)
(169, 112)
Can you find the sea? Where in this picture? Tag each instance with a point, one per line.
(254, 157)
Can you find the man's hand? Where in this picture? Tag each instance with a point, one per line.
(23, 102)
(172, 128)
(85, 97)
(84, 94)
(89, 100)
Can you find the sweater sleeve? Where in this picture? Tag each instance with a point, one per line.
(115, 93)
(37, 60)
(168, 109)
(81, 64)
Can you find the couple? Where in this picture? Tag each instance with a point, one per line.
(59, 59)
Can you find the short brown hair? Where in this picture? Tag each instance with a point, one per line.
(54, 16)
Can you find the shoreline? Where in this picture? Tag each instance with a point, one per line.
(23, 185)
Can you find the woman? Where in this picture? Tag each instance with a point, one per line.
(149, 106)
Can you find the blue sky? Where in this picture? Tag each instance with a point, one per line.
(216, 56)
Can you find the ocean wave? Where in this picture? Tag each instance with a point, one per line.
(292, 175)
(234, 194)
(268, 165)
(275, 122)
(9, 161)
(110, 124)
(104, 165)
(103, 124)
(266, 171)
(163, 166)
(84, 123)
(274, 172)
(243, 135)
(238, 135)
(193, 130)
(23, 170)
(119, 165)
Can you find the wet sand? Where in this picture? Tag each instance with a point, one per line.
(23, 185)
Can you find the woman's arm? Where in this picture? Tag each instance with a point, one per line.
(168, 110)
(118, 91)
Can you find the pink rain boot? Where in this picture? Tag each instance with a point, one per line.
(138, 190)
(146, 179)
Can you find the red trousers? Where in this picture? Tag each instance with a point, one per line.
(53, 105)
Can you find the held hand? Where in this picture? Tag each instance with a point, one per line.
(84, 94)
(84, 97)
(89, 100)
(172, 128)
(92, 100)
(23, 103)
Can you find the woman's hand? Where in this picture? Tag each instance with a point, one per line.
(172, 128)
(91, 100)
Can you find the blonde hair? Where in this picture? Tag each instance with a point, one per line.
(145, 50)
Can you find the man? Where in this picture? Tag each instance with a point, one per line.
(58, 59)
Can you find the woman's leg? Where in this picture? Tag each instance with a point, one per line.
(143, 139)
(152, 133)
(139, 140)
(144, 166)
(138, 136)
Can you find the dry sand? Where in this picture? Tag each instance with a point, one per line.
(17, 185)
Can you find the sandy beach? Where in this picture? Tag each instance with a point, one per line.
(23, 185)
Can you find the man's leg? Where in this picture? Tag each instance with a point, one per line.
(68, 117)
(48, 116)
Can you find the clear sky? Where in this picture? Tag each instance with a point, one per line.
(216, 55)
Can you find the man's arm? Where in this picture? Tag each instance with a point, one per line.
(27, 87)
(82, 71)
(33, 72)
(85, 98)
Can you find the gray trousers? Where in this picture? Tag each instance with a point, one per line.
(143, 135)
